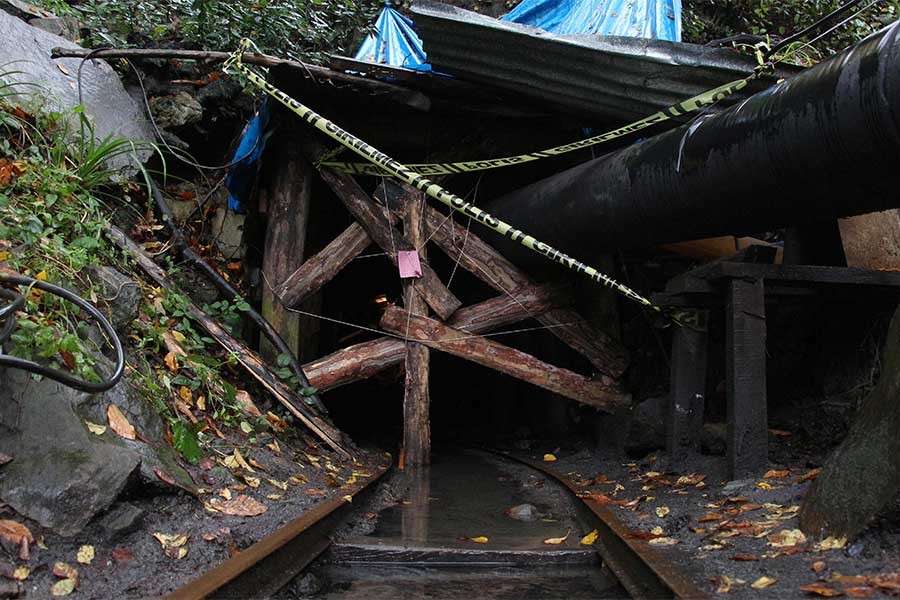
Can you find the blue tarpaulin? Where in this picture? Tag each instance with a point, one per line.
(652, 19)
(394, 43)
(242, 174)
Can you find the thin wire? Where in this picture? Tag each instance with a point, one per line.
(840, 24)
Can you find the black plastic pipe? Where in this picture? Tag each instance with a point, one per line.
(822, 145)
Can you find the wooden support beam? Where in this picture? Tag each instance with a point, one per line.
(372, 219)
(745, 377)
(323, 266)
(687, 393)
(365, 359)
(287, 213)
(482, 260)
(251, 363)
(416, 397)
(502, 358)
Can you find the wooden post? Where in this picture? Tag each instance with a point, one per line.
(687, 393)
(502, 358)
(363, 360)
(287, 215)
(745, 356)
(372, 219)
(483, 261)
(416, 398)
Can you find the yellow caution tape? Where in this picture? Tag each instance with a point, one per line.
(411, 177)
(676, 110)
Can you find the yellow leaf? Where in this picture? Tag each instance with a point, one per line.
(21, 573)
(590, 538)
(831, 543)
(549, 458)
(481, 539)
(763, 582)
(171, 360)
(657, 531)
(63, 587)
(764, 485)
(274, 496)
(663, 541)
(201, 402)
(557, 540)
(236, 460)
(662, 511)
(4, 255)
(42, 276)
(119, 424)
(274, 447)
(773, 474)
(179, 337)
(251, 481)
(95, 428)
(185, 393)
(786, 538)
(348, 498)
(225, 493)
(85, 554)
(281, 485)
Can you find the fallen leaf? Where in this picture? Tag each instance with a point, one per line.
(887, 581)
(347, 498)
(590, 538)
(780, 433)
(786, 538)
(274, 447)
(557, 540)
(810, 475)
(315, 492)
(745, 558)
(274, 496)
(820, 589)
(242, 506)
(298, 479)
(763, 582)
(860, 591)
(95, 428)
(724, 583)
(122, 555)
(171, 360)
(549, 458)
(246, 403)
(663, 541)
(605, 500)
(818, 566)
(691, 479)
(251, 481)
(277, 423)
(712, 547)
(848, 579)
(709, 517)
(764, 485)
(186, 395)
(119, 424)
(235, 460)
(15, 532)
(85, 555)
(481, 539)
(830, 543)
(662, 511)
(63, 587)
(172, 544)
(776, 474)
(281, 485)
(65, 571)
(658, 531)
(258, 465)
(21, 573)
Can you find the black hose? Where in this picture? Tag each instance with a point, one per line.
(16, 303)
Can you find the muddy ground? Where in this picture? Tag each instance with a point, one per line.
(739, 538)
(128, 561)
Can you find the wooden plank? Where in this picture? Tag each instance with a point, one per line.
(502, 358)
(372, 219)
(365, 359)
(323, 266)
(251, 363)
(687, 393)
(483, 261)
(416, 398)
(287, 213)
(801, 274)
(745, 377)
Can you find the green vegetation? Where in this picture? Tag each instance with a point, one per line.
(303, 29)
(707, 20)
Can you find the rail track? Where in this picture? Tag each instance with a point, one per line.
(265, 568)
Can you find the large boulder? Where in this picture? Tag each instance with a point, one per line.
(53, 84)
(62, 474)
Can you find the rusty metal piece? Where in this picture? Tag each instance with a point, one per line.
(641, 569)
(269, 564)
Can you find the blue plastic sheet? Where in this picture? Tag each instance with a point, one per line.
(242, 174)
(652, 19)
(394, 43)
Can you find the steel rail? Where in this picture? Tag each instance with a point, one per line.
(641, 569)
(269, 564)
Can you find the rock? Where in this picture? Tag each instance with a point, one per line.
(121, 294)
(176, 111)
(523, 512)
(62, 474)
(52, 84)
(24, 10)
(733, 488)
(65, 27)
(229, 227)
(122, 518)
(307, 585)
(219, 92)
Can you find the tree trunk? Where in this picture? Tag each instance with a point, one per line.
(863, 474)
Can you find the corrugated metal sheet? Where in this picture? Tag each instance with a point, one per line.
(613, 79)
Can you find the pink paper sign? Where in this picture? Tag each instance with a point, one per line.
(408, 263)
